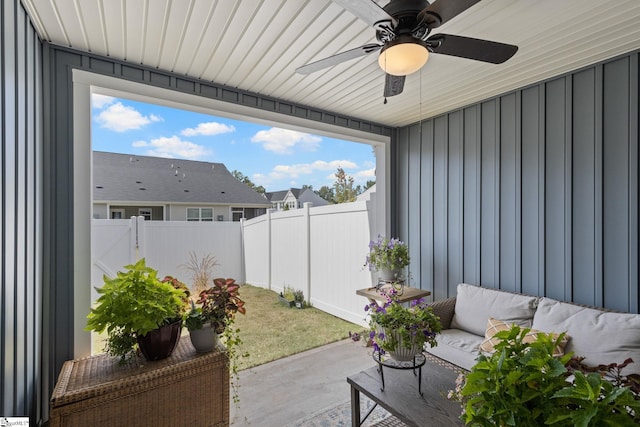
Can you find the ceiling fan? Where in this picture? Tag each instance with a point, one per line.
(403, 29)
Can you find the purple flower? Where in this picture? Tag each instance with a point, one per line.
(372, 334)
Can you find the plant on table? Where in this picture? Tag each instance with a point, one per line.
(387, 254)
(395, 325)
(131, 305)
(523, 384)
(217, 306)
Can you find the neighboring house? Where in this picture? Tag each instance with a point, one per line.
(162, 189)
(294, 198)
(366, 194)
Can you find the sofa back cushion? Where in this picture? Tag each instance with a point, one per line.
(474, 306)
(600, 337)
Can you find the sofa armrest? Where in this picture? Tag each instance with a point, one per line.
(444, 309)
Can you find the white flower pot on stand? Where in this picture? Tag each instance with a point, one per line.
(401, 353)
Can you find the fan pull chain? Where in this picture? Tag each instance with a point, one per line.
(385, 79)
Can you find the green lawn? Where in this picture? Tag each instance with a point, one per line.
(270, 330)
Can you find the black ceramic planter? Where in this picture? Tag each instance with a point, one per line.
(160, 343)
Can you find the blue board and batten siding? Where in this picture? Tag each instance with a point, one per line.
(21, 130)
(535, 191)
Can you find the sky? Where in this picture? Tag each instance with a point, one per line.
(275, 158)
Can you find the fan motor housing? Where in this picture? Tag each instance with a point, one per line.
(400, 9)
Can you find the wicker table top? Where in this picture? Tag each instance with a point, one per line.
(93, 376)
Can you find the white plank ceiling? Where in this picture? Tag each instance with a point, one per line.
(256, 46)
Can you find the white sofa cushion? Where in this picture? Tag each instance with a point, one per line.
(601, 337)
(458, 347)
(474, 306)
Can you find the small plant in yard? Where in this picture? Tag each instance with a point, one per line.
(523, 384)
(288, 293)
(298, 298)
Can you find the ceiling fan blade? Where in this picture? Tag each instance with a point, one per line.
(338, 58)
(442, 11)
(470, 48)
(366, 10)
(393, 85)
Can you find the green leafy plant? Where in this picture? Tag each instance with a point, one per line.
(414, 324)
(522, 384)
(387, 254)
(218, 305)
(288, 293)
(132, 304)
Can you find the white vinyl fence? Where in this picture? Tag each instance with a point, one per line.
(319, 250)
(165, 245)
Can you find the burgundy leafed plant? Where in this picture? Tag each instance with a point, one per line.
(221, 302)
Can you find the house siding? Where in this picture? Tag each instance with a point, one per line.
(21, 217)
(534, 191)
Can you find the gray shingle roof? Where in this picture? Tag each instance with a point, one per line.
(125, 177)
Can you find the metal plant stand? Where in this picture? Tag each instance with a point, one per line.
(415, 364)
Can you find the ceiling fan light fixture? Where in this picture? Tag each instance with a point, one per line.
(403, 56)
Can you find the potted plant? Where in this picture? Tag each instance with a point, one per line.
(298, 298)
(139, 311)
(524, 384)
(402, 330)
(388, 257)
(215, 310)
(213, 315)
(287, 297)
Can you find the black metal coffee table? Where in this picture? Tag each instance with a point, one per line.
(401, 398)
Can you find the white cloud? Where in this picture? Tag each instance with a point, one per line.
(296, 170)
(173, 146)
(121, 118)
(368, 173)
(283, 141)
(101, 101)
(208, 128)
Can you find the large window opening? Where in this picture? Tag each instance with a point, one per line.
(87, 85)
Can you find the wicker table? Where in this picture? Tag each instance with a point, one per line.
(186, 389)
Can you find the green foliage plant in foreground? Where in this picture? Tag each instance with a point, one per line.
(132, 304)
(522, 384)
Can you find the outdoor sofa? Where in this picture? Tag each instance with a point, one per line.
(600, 336)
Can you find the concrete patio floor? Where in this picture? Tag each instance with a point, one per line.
(289, 389)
